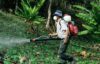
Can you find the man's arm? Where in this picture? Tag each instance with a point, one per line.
(53, 34)
(66, 32)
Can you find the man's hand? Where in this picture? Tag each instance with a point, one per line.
(53, 34)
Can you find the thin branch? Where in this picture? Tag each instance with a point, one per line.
(49, 14)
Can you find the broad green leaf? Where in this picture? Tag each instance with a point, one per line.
(83, 32)
(37, 22)
(87, 27)
(81, 8)
(97, 32)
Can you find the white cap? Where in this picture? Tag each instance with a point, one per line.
(67, 17)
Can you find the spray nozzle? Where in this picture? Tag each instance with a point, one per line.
(32, 40)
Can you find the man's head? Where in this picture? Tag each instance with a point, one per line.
(57, 15)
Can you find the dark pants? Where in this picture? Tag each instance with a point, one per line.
(62, 51)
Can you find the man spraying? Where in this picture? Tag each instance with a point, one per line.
(63, 33)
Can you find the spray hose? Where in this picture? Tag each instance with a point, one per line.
(44, 38)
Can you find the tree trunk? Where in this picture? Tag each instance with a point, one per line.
(49, 15)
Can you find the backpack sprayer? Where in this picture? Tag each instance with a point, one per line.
(71, 25)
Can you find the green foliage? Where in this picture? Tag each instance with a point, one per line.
(47, 54)
(12, 25)
(90, 16)
(29, 12)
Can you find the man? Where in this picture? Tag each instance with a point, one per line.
(63, 33)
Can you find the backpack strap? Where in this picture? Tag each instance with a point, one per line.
(60, 24)
(65, 22)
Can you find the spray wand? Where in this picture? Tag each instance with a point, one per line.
(44, 38)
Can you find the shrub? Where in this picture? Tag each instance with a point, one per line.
(90, 18)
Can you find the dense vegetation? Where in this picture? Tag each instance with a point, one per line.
(33, 18)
